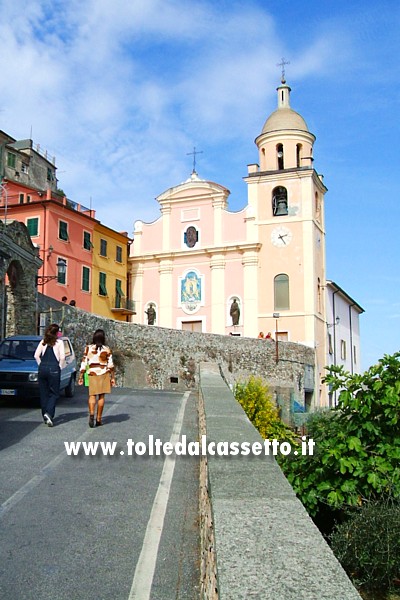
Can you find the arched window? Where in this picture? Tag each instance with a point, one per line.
(279, 156)
(298, 155)
(281, 292)
(279, 201)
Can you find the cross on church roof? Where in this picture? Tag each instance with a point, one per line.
(194, 157)
(282, 65)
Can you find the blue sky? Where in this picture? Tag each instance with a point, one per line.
(120, 92)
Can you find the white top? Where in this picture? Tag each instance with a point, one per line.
(58, 351)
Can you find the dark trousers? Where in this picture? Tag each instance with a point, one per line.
(49, 388)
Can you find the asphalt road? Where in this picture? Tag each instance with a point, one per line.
(96, 527)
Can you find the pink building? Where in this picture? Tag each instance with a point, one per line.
(196, 271)
(198, 259)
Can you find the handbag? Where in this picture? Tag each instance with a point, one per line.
(86, 376)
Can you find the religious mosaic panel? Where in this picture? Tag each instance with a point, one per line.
(191, 291)
(191, 236)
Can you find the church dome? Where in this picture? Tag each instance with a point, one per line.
(284, 118)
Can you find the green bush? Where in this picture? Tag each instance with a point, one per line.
(367, 544)
(357, 445)
(256, 400)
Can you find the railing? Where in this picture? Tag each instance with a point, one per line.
(78, 207)
(45, 154)
(121, 303)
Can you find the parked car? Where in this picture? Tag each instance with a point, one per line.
(19, 369)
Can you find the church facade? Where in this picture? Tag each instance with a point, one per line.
(203, 268)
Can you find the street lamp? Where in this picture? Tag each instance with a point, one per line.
(61, 270)
(337, 321)
(276, 317)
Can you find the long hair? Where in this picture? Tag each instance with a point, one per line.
(50, 335)
(99, 338)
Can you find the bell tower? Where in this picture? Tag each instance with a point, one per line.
(286, 199)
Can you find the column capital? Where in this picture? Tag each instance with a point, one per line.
(166, 267)
(165, 209)
(217, 262)
(250, 259)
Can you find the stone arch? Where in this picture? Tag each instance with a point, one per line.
(19, 300)
(19, 263)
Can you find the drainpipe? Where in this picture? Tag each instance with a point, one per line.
(334, 335)
(351, 338)
(334, 326)
(44, 238)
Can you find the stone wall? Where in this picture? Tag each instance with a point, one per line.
(156, 357)
(257, 540)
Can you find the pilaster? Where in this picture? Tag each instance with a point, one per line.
(250, 284)
(166, 227)
(136, 292)
(217, 266)
(166, 293)
(218, 205)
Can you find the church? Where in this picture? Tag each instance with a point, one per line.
(200, 267)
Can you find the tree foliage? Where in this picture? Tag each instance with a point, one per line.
(367, 544)
(256, 400)
(357, 444)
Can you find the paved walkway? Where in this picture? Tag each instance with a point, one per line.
(97, 527)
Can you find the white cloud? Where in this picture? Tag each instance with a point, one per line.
(120, 92)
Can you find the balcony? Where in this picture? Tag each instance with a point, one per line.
(123, 306)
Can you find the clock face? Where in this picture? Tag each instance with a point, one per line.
(281, 236)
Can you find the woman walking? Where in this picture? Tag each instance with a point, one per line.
(50, 357)
(98, 363)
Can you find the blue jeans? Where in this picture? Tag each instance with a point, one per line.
(49, 388)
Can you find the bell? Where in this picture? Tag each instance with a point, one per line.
(280, 206)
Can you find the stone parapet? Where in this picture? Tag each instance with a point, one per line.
(257, 539)
(157, 357)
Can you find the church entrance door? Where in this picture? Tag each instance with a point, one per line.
(192, 326)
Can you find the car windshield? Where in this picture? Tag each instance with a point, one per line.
(19, 349)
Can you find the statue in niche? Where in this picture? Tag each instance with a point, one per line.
(235, 312)
(151, 314)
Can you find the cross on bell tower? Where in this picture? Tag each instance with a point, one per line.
(282, 65)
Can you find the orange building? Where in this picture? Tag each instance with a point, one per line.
(63, 231)
(83, 260)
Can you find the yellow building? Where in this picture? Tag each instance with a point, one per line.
(109, 274)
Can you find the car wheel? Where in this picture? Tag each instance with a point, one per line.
(70, 389)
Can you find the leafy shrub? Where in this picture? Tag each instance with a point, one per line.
(256, 400)
(357, 445)
(367, 544)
